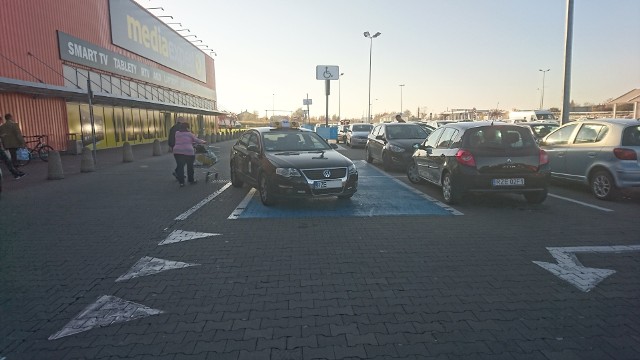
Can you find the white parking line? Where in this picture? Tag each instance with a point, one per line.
(580, 203)
(243, 205)
(202, 203)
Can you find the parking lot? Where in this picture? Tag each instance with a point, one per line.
(138, 268)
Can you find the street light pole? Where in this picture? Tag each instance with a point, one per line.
(544, 72)
(401, 86)
(339, 96)
(371, 37)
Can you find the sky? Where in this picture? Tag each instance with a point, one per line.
(448, 54)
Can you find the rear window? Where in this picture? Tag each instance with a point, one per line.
(502, 137)
(631, 136)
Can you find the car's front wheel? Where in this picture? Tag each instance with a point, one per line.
(537, 197)
(412, 173)
(603, 186)
(265, 192)
(386, 162)
(450, 192)
(369, 156)
(235, 179)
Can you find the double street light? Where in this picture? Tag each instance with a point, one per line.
(544, 72)
(371, 37)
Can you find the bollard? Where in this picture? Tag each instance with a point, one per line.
(87, 164)
(54, 166)
(127, 152)
(156, 148)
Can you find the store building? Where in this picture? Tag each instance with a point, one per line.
(72, 68)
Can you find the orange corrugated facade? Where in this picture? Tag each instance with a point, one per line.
(29, 52)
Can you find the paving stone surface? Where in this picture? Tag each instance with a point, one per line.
(384, 287)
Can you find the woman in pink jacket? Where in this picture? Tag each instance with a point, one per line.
(184, 153)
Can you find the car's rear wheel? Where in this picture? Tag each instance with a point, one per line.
(412, 173)
(369, 157)
(235, 179)
(603, 186)
(450, 192)
(537, 197)
(265, 192)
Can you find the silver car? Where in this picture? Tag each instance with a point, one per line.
(601, 153)
(357, 134)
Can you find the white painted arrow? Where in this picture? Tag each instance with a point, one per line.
(107, 310)
(150, 265)
(571, 270)
(179, 235)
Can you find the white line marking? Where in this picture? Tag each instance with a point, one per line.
(187, 213)
(150, 265)
(180, 235)
(569, 268)
(107, 310)
(243, 205)
(580, 202)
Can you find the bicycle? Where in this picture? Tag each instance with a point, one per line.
(40, 150)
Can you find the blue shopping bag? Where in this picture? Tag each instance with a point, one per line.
(22, 154)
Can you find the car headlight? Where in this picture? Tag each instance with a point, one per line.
(395, 148)
(352, 170)
(287, 172)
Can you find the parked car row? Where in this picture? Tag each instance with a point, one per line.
(459, 157)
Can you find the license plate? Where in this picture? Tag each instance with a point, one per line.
(327, 184)
(508, 182)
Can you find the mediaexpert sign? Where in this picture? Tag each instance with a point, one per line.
(82, 52)
(134, 29)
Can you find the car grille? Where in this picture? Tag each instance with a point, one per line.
(318, 174)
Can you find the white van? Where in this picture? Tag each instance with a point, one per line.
(517, 116)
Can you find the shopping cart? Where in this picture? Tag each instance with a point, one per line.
(205, 159)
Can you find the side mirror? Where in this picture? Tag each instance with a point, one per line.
(253, 148)
(380, 137)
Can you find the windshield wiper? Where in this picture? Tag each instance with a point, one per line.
(288, 153)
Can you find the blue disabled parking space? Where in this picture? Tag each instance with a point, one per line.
(378, 195)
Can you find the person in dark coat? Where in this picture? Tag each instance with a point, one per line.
(11, 137)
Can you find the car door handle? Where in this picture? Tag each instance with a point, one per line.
(591, 154)
(561, 153)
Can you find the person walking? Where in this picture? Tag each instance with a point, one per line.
(184, 153)
(17, 174)
(11, 137)
(172, 139)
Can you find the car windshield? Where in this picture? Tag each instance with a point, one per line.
(362, 127)
(293, 141)
(406, 132)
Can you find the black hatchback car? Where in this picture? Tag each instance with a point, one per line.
(291, 162)
(393, 143)
(482, 157)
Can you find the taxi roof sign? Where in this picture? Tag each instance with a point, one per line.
(286, 124)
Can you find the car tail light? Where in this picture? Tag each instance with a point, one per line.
(465, 157)
(625, 154)
(543, 158)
